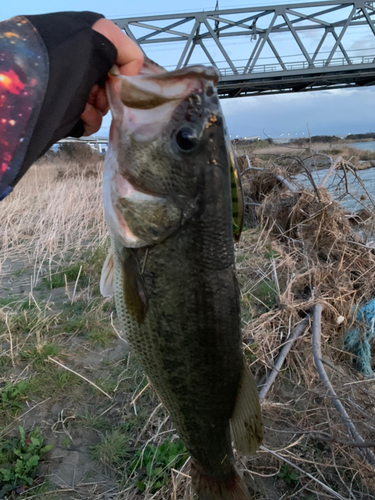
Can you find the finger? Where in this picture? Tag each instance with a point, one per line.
(129, 55)
(93, 95)
(92, 119)
(101, 102)
(98, 99)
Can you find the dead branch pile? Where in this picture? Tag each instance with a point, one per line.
(327, 259)
(318, 257)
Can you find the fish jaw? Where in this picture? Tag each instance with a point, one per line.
(116, 222)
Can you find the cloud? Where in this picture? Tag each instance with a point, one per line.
(328, 112)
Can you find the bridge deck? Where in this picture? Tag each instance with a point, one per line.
(261, 50)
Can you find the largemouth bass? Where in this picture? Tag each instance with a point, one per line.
(168, 204)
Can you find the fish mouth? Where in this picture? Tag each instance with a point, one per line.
(142, 107)
(149, 90)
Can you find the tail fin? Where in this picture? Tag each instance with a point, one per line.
(210, 488)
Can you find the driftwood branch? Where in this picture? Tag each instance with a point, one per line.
(286, 183)
(281, 357)
(362, 184)
(332, 168)
(280, 178)
(317, 352)
(250, 167)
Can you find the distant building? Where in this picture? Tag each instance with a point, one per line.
(99, 144)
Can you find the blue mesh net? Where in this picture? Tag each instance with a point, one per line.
(358, 339)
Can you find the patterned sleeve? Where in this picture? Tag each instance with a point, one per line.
(23, 82)
(48, 66)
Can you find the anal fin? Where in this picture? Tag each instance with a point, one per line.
(246, 421)
(107, 287)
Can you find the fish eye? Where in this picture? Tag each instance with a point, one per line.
(186, 139)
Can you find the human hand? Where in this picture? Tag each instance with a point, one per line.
(129, 60)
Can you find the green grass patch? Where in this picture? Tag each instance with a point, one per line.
(102, 337)
(5, 363)
(289, 475)
(95, 326)
(65, 441)
(19, 460)
(38, 355)
(107, 384)
(7, 301)
(251, 352)
(153, 464)
(71, 273)
(50, 380)
(93, 421)
(12, 397)
(112, 449)
(266, 292)
(22, 322)
(270, 254)
(89, 265)
(246, 311)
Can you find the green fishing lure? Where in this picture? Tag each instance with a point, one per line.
(237, 194)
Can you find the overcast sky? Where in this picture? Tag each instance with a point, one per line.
(326, 112)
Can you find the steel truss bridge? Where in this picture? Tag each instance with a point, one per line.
(263, 50)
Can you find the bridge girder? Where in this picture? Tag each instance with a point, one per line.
(333, 25)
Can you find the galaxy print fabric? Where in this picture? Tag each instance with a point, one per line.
(23, 82)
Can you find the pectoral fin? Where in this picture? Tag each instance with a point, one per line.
(246, 421)
(134, 295)
(107, 288)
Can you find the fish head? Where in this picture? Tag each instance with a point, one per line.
(167, 131)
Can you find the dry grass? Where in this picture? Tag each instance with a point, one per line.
(45, 220)
(301, 252)
(59, 335)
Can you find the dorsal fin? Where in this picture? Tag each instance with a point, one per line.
(107, 288)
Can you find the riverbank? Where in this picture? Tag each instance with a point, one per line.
(316, 156)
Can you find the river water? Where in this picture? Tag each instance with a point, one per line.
(363, 146)
(348, 190)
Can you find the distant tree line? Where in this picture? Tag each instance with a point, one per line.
(332, 139)
(358, 137)
(329, 139)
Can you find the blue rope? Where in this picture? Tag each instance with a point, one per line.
(357, 340)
